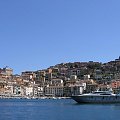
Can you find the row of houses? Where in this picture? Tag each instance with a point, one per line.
(56, 87)
(61, 80)
(35, 90)
(36, 84)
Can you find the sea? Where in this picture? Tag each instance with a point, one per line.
(56, 109)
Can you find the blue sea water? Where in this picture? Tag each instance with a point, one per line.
(50, 109)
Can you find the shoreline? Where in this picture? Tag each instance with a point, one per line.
(27, 97)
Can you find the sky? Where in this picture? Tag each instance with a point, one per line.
(36, 34)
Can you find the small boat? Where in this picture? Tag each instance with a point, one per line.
(97, 97)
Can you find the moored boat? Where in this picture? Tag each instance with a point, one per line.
(97, 97)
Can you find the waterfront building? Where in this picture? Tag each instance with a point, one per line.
(3, 84)
(35, 90)
(29, 91)
(54, 88)
(16, 89)
(75, 89)
(41, 91)
(54, 91)
(9, 88)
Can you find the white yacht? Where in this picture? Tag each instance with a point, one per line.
(97, 97)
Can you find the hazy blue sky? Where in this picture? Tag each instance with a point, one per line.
(36, 34)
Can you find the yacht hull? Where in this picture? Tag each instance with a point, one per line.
(96, 99)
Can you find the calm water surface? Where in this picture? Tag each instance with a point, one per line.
(64, 109)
